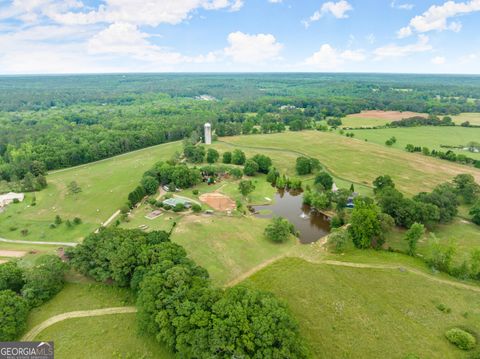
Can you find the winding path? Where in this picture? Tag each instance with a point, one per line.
(59, 244)
(418, 272)
(32, 334)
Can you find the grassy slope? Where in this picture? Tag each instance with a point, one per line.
(353, 121)
(111, 336)
(466, 236)
(79, 338)
(105, 186)
(367, 313)
(360, 161)
(227, 246)
(431, 137)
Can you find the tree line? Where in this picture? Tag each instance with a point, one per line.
(178, 305)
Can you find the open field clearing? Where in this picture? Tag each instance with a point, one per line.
(87, 337)
(111, 336)
(473, 118)
(376, 118)
(104, 184)
(464, 234)
(361, 161)
(227, 246)
(369, 313)
(431, 137)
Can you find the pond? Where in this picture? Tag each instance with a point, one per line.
(311, 224)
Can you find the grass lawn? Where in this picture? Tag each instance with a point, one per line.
(81, 296)
(361, 162)
(466, 236)
(431, 137)
(227, 246)
(355, 121)
(110, 336)
(105, 186)
(473, 118)
(369, 313)
(94, 337)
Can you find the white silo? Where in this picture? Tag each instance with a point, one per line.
(208, 134)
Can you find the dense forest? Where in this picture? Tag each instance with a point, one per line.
(51, 122)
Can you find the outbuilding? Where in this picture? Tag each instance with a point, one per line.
(172, 202)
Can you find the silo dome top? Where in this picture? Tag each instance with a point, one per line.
(208, 124)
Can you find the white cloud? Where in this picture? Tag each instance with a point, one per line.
(275, 1)
(370, 38)
(329, 58)
(252, 49)
(394, 50)
(127, 40)
(337, 9)
(139, 12)
(438, 60)
(437, 17)
(404, 6)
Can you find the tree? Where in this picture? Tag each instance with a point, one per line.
(338, 239)
(413, 235)
(238, 157)
(382, 182)
(303, 166)
(13, 315)
(445, 198)
(194, 154)
(264, 163)
(475, 213)
(150, 184)
(250, 168)
(11, 277)
(440, 255)
(246, 187)
(249, 323)
(272, 175)
(365, 224)
(227, 157)
(467, 188)
(44, 280)
(73, 188)
(324, 180)
(236, 173)
(279, 230)
(212, 155)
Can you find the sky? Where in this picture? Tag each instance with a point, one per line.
(92, 36)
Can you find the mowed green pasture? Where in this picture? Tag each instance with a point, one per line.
(369, 313)
(105, 186)
(428, 136)
(94, 337)
(104, 337)
(359, 161)
(355, 121)
(227, 246)
(465, 235)
(473, 118)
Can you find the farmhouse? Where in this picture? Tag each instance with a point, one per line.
(6, 199)
(172, 202)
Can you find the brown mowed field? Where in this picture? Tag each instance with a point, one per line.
(387, 115)
(361, 162)
(218, 201)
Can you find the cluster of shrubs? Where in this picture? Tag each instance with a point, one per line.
(22, 289)
(177, 303)
(69, 223)
(448, 155)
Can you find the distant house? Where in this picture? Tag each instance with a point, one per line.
(6, 199)
(351, 200)
(172, 202)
